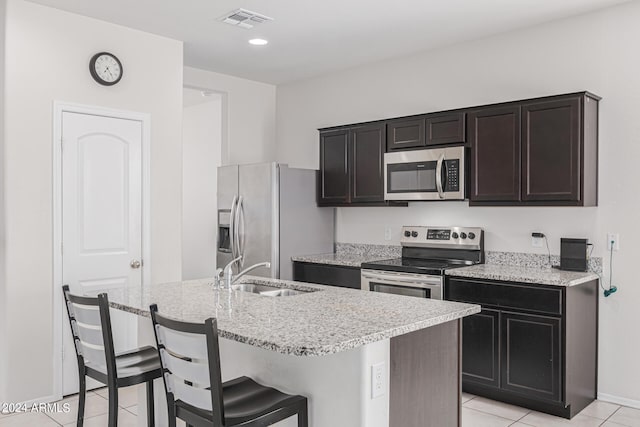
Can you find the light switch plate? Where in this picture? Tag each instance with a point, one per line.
(378, 376)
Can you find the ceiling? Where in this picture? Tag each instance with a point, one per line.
(313, 37)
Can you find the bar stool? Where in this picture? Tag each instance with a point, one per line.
(190, 358)
(93, 340)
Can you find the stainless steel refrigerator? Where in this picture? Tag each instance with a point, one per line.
(268, 212)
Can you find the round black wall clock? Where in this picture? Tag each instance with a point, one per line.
(105, 68)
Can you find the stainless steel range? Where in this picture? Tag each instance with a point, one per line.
(427, 252)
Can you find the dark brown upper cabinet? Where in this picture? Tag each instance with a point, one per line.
(405, 134)
(432, 129)
(367, 163)
(448, 128)
(352, 166)
(551, 150)
(333, 182)
(535, 152)
(494, 134)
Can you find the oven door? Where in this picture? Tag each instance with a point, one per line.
(428, 174)
(408, 284)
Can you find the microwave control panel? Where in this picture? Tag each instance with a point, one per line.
(453, 173)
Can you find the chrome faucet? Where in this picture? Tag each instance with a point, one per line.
(230, 279)
(225, 277)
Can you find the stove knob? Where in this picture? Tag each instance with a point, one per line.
(414, 234)
(407, 233)
(463, 235)
(454, 235)
(472, 236)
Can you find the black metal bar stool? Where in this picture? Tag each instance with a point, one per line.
(190, 358)
(93, 339)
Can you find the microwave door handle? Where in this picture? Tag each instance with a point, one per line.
(439, 176)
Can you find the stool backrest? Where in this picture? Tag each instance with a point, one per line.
(190, 358)
(91, 330)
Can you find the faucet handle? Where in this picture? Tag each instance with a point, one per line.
(217, 278)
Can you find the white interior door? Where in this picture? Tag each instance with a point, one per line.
(101, 219)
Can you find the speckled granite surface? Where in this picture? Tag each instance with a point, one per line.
(326, 321)
(543, 276)
(521, 259)
(352, 254)
(347, 260)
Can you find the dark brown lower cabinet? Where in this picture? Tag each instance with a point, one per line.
(326, 274)
(531, 349)
(531, 345)
(481, 348)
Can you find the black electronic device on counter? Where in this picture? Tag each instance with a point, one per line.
(573, 254)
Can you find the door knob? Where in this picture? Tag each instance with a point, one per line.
(135, 264)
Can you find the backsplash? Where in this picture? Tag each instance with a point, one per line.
(520, 259)
(369, 250)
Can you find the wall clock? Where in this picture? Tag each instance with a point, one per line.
(105, 68)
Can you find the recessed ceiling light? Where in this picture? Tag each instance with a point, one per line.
(258, 42)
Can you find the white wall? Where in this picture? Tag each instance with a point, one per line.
(595, 52)
(3, 322)
(201, 153)
(249, 114)
(47, 54)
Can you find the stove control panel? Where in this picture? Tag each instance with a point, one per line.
(442, 237)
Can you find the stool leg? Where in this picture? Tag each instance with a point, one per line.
(82, 395)
(150, 409)
(113, 405)
(303, 415)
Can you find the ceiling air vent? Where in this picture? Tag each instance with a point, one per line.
(244, 18)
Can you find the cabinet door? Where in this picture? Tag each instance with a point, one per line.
(481, 348)
(405, 133)
(445, 129)
(333, 186)
(495, 154)
(551, 150)
(531, 348)
(367, 166)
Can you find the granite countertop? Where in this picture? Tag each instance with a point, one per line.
(543, 276)
(344, 259)
(326, 321)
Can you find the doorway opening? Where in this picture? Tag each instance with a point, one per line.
(202, 142)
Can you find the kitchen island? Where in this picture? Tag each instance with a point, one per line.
(328, 344)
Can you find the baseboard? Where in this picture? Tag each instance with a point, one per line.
(44, 399)
(619, 400)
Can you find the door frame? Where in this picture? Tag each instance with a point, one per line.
(59, 108)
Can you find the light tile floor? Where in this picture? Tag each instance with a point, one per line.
(476, 412)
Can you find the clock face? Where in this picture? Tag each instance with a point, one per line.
(106, 69)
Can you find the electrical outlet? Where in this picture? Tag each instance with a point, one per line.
(378, 385)
(387, 233)
(537, 242)
(615, 238)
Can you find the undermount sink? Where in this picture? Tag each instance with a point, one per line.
(270, 291)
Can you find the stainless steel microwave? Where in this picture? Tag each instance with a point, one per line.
(426, 174)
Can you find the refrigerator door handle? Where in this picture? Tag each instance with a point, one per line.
(232, 227)
(239, 237)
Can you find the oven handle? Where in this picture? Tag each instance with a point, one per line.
(439, 176)
(415, 281)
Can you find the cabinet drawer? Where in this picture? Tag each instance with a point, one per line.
(505, 295)
(325, 274)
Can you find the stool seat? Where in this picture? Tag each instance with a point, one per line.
(245, 400)
(133, 367)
